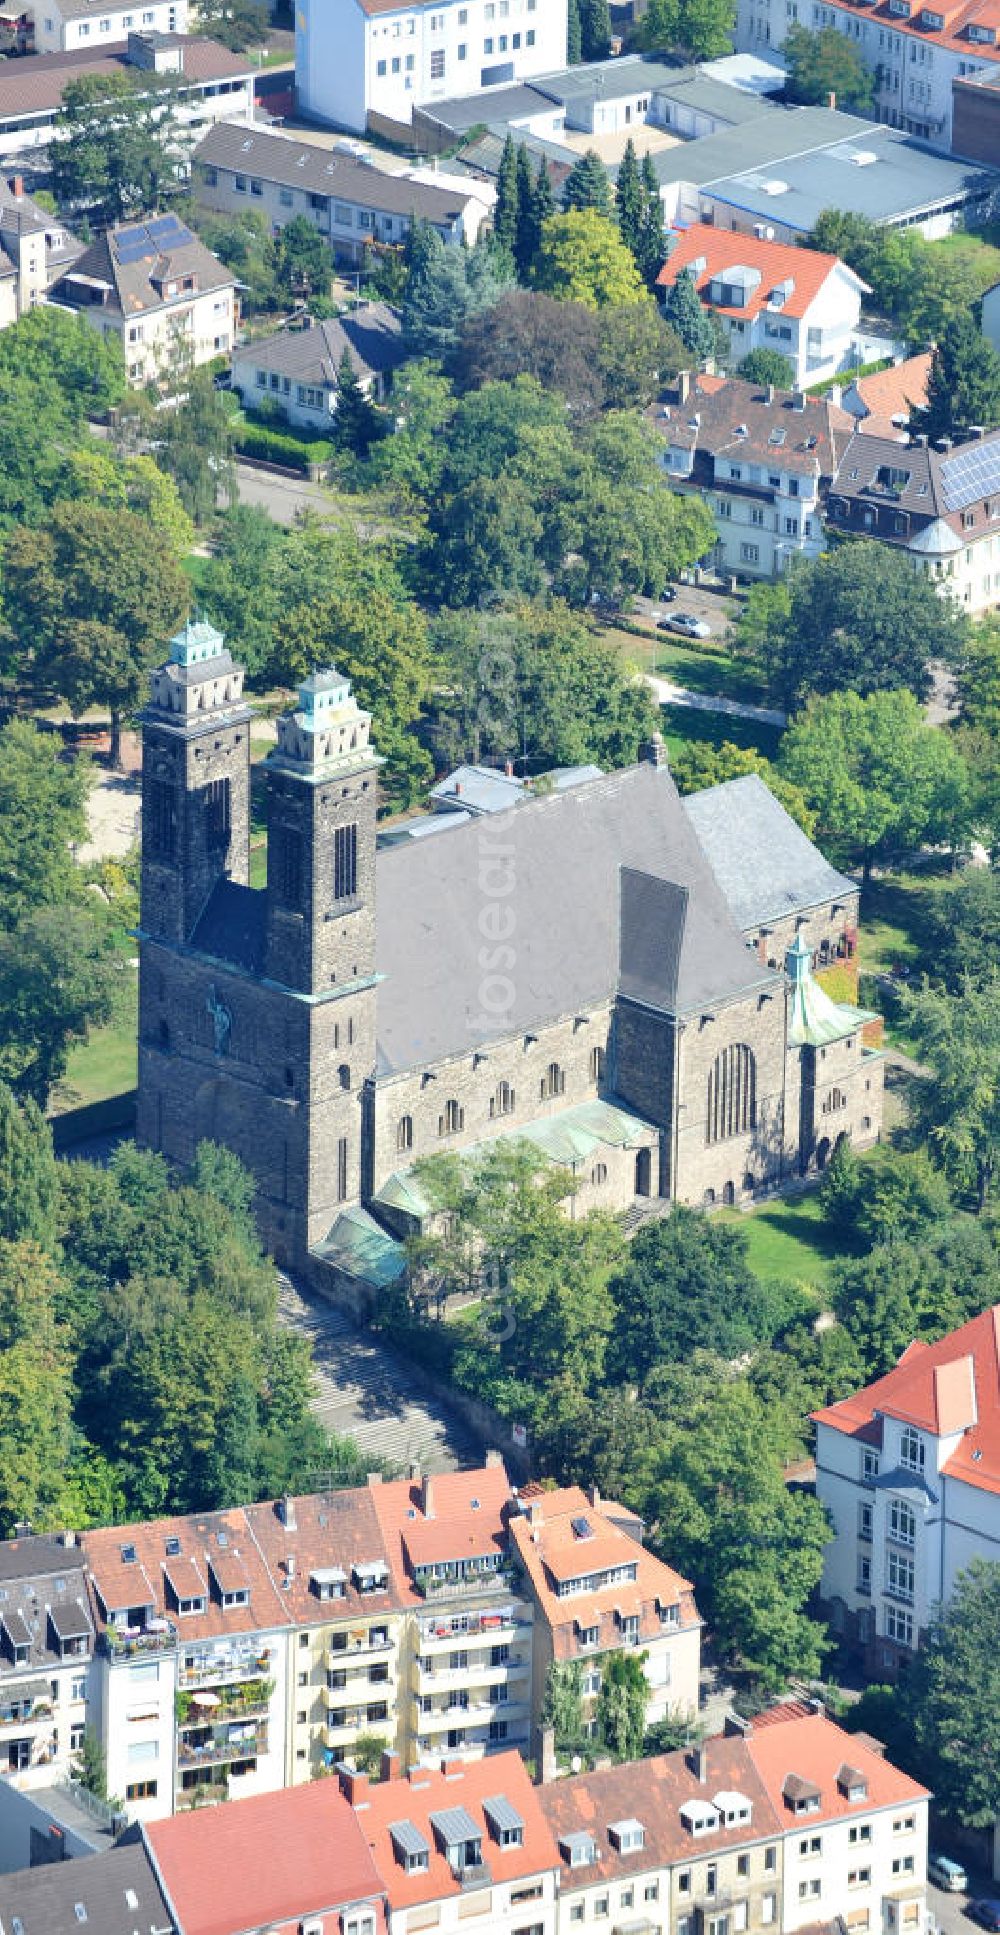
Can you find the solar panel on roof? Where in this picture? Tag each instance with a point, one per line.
(582, 1528)
(972, 472)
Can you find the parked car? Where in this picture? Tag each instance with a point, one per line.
(686, 622)
(986, 1913)
(668, 594)
(947, 1873)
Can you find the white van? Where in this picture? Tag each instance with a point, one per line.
(948, 1874)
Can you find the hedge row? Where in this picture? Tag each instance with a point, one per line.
(279, 447)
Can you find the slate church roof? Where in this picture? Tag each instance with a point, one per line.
(554, 865)
(766, 866)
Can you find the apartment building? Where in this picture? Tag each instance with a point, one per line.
(769, 295)
(939, 504)
(597, 1591)
(763, 459)
(189, 1683)
(46, 1649)
(783, 1823)
(854, 1829)
(61, 25)
(909, 1470)
(357, 60)
(212, 83)
(883, 403)
(155, 286)
(353, 204)
(915, 51)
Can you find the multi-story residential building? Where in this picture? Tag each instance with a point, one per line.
(189, 1686)
(212, 83)
(915, 51)
(35, 249)
(686, 1842)
(154, 285)
(64, 24)
(939, 504)
(909, 1470)
(597, 1591)
(46, 1649)
(854, 1828)
(466, 1669)
(764, 460)
(975, 123)
(353, 204)
(767, 295)
(357, 60)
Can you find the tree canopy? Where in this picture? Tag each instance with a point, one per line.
(954, 1696)
(117, 150)
(697, 765)
(825, 63)
(964, 383)
(582, 258)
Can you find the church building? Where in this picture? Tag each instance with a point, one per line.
(622, 977)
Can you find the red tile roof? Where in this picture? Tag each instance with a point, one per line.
(467, 1517)
(550, 1550)
(314, 1533)
(269, 1862)
(719, 250)
(786, 1742)
(948, 1387)
(424, 1793)
(891, 393)
(959, 16)
(219, 1542)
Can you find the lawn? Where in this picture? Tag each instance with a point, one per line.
(978, 253)
(682, 725)
(789, 1239)
(106, 1063)
(712, 672)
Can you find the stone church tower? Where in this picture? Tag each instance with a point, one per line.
(257, 1006)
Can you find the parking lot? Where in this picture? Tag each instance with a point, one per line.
(718, 609)
(950, 1912)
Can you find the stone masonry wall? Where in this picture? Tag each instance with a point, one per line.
(762, 1154)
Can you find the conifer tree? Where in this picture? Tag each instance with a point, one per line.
(587, 184)
(595, 29)
(543, 204)
(355, 424)
(684, 312)
(525, 241)
(574, 34)
(505, 212)
(651, 252)
(629, 198)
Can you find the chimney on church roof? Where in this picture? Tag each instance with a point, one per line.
(653, 752)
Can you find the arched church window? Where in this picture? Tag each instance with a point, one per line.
(344, 1075)
(553, 1081)
(452, 1120)
(732, 1093)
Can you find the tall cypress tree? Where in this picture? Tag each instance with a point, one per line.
(629, 198)
(505, 212)
(651, 252)
(595, 29)
(543, 204)
(524, 240)
(684, 312)
(574, 33)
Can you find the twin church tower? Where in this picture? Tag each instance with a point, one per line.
(257, 1005)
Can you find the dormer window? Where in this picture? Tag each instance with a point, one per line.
(669, 1615)
(411, 1850)
(328, 1582)
(911, 1450)
(627, 1836)
(700, 1817)
(191, 1606)
(238, 1596)
(459, 1839)
(802, 1796)
(358, 1921)
(505, 1823)
(371, 1577)
(733, 1809)
(852, 1783)
(579, 1849)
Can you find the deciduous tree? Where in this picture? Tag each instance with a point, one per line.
(621, 1704)
(767, 366)
(117, 150)
(583, 258)
(958, 1036)
(696, 765)
(825, 63)
(955, 1697)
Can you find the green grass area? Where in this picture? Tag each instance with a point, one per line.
(106, 1063)
(258, 863)
(195, 568)
(707, 669)
(682, 726)
(892, 923)
(790, 1240)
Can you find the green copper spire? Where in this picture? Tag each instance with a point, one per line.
(814, 1019)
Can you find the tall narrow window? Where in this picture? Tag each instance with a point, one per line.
(218, 818)
(342, 1169)
(553, 1081)
(502, 1103)
(345, 862)
(404, 1134)
(597, 1064)
(452, 1120)
(732, 1093)
(285, 853)
(159, 822)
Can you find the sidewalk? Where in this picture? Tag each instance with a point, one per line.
(667, 693)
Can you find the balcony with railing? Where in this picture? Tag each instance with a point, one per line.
(478, 1711)
(221, 1747)
(497, 1623)
(470, 1583)
(433, 1676)
(138, 1642)
(360, 1646)
(339, 1733)
(223, 1667)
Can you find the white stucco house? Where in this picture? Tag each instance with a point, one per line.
(909, 1470)
(356, 58)
(63, 25)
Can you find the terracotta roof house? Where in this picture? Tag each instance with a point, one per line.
(939, 503)
(909, 1469)
(884, 402)
(770, 295)
(764, 460)
(596, 1589)
(212, 82)
(156, 287)
(284, 1862)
